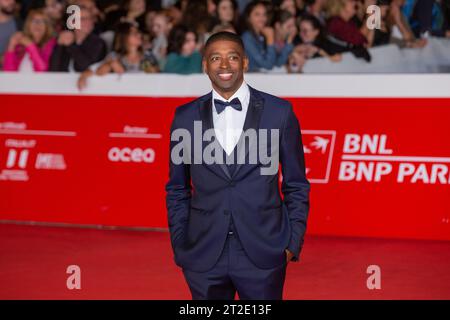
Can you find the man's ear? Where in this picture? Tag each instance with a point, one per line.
(245, 63)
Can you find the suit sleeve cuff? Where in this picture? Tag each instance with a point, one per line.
(295, 250)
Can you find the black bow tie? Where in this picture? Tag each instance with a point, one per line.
(221, 105)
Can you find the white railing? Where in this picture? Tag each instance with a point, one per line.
(165, 85)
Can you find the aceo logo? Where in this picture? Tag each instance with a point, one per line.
(126, 154)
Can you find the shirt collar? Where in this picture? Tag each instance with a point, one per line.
(241, 93)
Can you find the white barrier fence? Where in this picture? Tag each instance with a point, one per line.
(284, 85)
(434, 57)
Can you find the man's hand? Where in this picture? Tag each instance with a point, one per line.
(66, 38)
(289, 255)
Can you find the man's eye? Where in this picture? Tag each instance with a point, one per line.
(233, 57)
(214, 58)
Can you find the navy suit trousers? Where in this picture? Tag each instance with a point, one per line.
(235, 272)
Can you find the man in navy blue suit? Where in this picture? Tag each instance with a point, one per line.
(231, 231)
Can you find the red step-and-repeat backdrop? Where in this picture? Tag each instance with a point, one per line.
(378, 167)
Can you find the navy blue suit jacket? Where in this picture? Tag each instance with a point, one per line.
(201, 198)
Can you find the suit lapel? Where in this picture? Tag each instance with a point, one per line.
(207, 122)
(252, 119)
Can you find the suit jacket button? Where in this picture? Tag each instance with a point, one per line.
(232, 184)
(226, 212)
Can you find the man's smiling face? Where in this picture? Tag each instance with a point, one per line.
(225, 63)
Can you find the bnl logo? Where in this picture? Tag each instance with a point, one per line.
(318, 146)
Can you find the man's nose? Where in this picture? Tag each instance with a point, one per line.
(224, 64)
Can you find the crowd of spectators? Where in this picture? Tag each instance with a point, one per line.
(125, 36)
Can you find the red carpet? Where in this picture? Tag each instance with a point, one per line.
(122, 264)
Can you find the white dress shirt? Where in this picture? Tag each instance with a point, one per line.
(229, 124)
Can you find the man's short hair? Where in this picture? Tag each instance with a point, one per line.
(224, 35)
